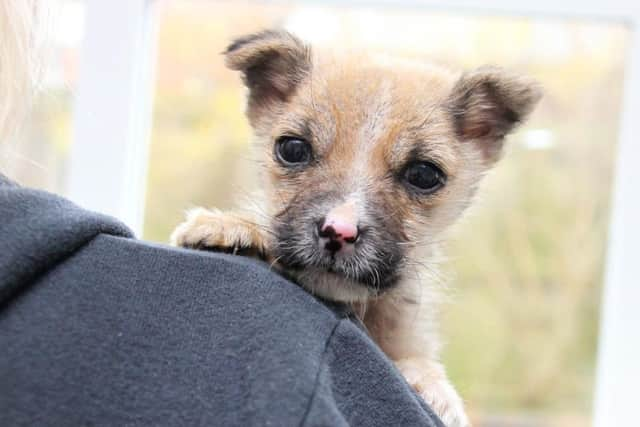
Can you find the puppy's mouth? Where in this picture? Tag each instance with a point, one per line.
(365, 264)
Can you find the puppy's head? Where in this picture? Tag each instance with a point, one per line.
(368, 159)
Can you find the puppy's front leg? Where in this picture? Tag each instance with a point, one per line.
(405, 332)
(428, 378)
(221, 232)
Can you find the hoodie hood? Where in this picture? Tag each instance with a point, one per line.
(39, 230)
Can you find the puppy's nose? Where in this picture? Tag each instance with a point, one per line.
(339, 227)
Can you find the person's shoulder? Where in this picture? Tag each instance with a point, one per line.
(262, 336)
(215, 337)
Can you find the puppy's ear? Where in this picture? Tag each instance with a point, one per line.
(488, 103)
(272, 64)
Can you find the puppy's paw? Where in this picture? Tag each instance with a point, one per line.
(430, 382)
(218, 231)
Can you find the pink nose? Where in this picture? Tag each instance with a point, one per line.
(340, 226)
(338, 229)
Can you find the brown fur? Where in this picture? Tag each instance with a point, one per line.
(368, 117)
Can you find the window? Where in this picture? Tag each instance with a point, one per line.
(525, 265)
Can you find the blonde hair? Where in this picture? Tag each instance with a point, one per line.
(20, 48)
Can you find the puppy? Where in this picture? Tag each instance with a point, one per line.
(368, 160)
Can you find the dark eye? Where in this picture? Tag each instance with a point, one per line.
(424, 176)
(292, 151)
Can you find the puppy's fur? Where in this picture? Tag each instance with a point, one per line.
(366, 118)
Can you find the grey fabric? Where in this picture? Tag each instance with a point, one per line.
(97, 328)
(39, 230)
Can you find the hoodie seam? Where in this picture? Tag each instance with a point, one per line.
(321, 365)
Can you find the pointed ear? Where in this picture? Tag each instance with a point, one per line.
(272, 64)
(488, 103)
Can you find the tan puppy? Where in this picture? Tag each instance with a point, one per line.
(368, 161)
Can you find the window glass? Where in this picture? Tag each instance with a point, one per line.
(525, 265)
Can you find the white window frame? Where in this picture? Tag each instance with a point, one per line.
(116, 82)
(112, 112)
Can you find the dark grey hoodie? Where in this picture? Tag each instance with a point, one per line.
(97, 328)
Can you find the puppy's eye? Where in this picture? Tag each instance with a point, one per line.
(292, 151)
(424, 176)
